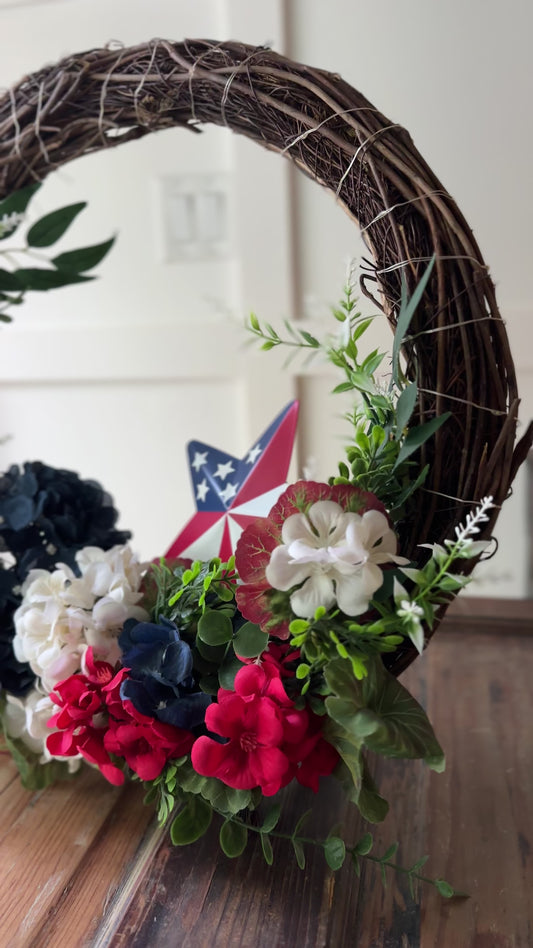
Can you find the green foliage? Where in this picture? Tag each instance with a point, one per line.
(233, 838)
(384, 437)
(64, 269)
(33, 774)
(380, 714)
(51, 227)
(335, 852)
(235, 830)
(78, 261)
(250, 640)
(405, 316)
(191, 822)
(215, 628)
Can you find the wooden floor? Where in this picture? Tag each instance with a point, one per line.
(82, 864)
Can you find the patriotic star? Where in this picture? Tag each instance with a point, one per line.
(227, 506)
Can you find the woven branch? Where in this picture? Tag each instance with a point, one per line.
(458, 348)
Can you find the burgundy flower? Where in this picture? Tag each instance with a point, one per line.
(256, 599)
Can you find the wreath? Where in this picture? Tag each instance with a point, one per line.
(218, 681)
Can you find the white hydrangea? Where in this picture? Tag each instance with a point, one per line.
(61, 614)
(25, 719)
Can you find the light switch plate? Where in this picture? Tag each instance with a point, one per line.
(194, 215)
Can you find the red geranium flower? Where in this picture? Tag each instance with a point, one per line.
(94, 721)
(256, 599)
(268, 736)
(145, 743)
(81, 720)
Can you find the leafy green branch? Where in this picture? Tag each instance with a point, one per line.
(379, 457)
(194, 820)
(64, 269)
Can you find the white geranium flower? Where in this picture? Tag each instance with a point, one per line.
(333, 557)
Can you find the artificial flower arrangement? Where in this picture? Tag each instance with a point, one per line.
(217, 682)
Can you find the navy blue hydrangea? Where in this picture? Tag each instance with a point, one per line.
(46, 516)
(161, 682)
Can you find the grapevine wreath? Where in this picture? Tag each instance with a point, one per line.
(219, 681)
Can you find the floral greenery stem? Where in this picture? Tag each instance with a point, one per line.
(379, 457)
(434, 583)
(334, 848)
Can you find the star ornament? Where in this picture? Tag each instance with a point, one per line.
(231, 493)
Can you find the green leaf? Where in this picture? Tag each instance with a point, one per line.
(52, 226)
(33, 774)
(407, 311)
(271, 819)
(343, 387)
(380, 713)
(364, 845)
(266, 846)
(9, 281)
(233, 838)
(418, 436)
(215, 628)
(444, 888)
(191, 822)
(361, 328)
(78, 261)
(226, 799)
(362, 382)
(250, 641)
(305, 816)
(228, 670)
(35, 278)
(335, 852)
(373, 362)
(419, 863)
(390, 853)
(405, 405)
(299, 853)
(310, 340)
(373, 807)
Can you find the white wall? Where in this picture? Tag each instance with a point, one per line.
(457, 75)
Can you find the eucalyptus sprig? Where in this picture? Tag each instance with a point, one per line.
(194, 820)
